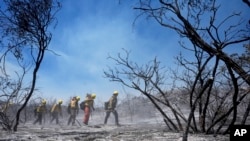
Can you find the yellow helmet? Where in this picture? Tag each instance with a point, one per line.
(93, 95)
(78, 98)
(43, 101)
(115, 92)
(60, 101)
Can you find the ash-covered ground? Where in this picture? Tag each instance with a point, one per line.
(131, 129)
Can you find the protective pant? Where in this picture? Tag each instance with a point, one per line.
(72, 117)
(55, 116)
(115, 114)
(86, 115)
(39, 118)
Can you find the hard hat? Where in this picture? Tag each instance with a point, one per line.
(78, 98)
(43, 101)
(60, 101)
(115, 92)
(93, 95)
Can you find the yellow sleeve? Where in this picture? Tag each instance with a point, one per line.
(53, 108)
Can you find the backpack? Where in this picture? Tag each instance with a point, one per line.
(106, 104)
(82, 105)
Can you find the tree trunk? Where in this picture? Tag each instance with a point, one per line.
(246, 114)
(38, 63)
(185, 134)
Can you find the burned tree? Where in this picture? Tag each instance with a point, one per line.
(216, 103)
(149, 80)
(25, 38)
(12, 94)
(186, 18)
(201, 24)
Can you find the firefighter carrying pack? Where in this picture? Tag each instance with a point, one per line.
(83, 104)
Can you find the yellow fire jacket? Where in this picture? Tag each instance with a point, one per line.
(56, 108)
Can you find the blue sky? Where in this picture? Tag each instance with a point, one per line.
(87, 32)
(90, 30)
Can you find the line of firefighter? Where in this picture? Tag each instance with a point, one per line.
(73, 109)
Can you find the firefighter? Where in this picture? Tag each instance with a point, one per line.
(40, 112)
(73, 109)
(56, 110)
(88, 107)
(111, 105)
